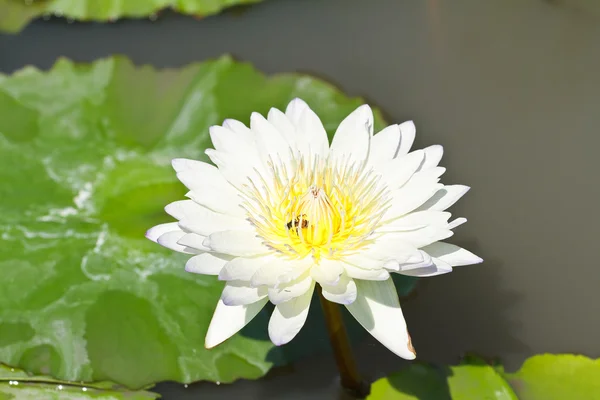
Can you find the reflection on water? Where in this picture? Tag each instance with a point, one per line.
(509, 87)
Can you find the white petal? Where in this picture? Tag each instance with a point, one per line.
(384, 146)
(280, 271)
(238, 293)
(421, 237)
(157, 231)
(283, 124)
(228, 320)
(362, 260)
(391, 246)
(289, 317)
(271, 144)
(236, 243)
(228, 141)
(290, 290)
(352, 138)
(196, 175)
(238, 127)
(427, 177)
(343, 293)
(438, 267)
(433, 155)
(408, 130)
(409, 198)
(427, 261)
(242, 268)
(457, 222)
(417, 220)
(198, 219)
(378, 310)
(327, 271)
(453, 255)
(192, 240)
(225, 202)
(170, 240)
(445, 197)
(207, 263)
(366, 274)
(309, 126)
(398, 171)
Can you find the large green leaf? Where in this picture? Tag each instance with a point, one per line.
(557, 377)
(472, 379)
(85, 156)
(18, 385)
(15, 14)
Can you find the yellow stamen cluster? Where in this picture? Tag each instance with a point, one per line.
(312, 205)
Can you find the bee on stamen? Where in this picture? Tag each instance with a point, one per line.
(295, 223)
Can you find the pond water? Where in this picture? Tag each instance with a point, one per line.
(511, 88)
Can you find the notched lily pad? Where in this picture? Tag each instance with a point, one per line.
(472, 379)
(85, 171)
(15, 14)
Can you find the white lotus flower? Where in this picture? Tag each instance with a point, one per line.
(283, 210)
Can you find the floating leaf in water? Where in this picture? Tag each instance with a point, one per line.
(15, 14)
(472, 379)
(17, 384)
(557, 377)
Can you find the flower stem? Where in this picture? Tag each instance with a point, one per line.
(349, 376)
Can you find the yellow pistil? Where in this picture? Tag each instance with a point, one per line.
(319, 207)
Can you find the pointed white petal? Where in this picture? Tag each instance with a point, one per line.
(272, 146)
(421, 237)
(309, 127)
(193, 240)
(279, 271)
(228, 141)
(417, 220)
(453, 255)
(366, 274)
(242, 268)
(207, 263)
(409, 198)
(290, 290)
(156, 231)
(378, 310)
(384, 146)
(228, 320)
(433, 155)
(289, 317)
(438, 267)
(236, 243)
(196, 175)
(237, 293)
(445, 197)
(456, 223)
(327, 271)
(399, 170)
(201, 220)
(426, 261)
(352, 138)
(170, 240)
(219, 201)
(282, 123)
(343, 293)
(408, 130)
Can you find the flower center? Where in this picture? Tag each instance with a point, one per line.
(319, 207)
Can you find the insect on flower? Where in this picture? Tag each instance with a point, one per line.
(282, 210)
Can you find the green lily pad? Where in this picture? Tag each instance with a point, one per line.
(472, 379)
(557, 377)
(19, 385)
(85, 156)
(15, 14)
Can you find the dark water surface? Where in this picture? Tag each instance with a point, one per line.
(511, 88)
